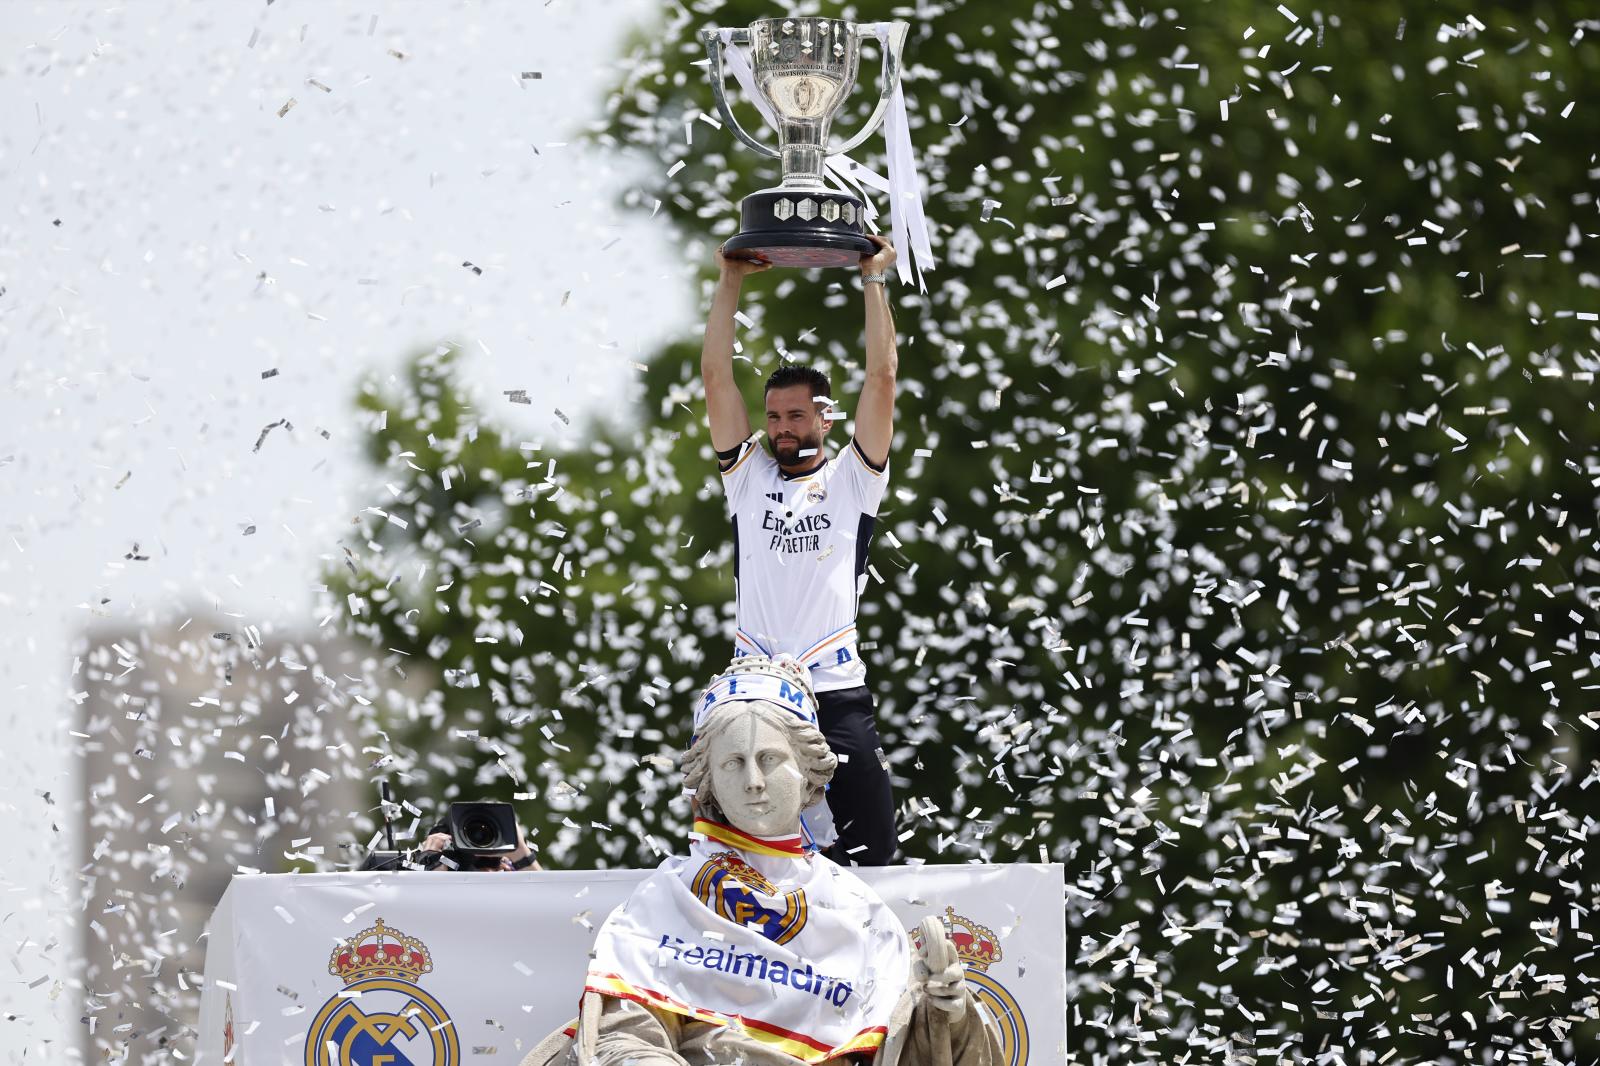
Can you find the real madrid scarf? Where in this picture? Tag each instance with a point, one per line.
(750, 931)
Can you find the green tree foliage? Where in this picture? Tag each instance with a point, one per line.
(1238, 551)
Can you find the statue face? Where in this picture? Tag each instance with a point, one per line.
(755, 778)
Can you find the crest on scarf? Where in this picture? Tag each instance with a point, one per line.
(732, 887)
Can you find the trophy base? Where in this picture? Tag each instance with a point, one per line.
(800, 228)
(791, 248)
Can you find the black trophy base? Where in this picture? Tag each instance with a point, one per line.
(795, 248)
(800, 228)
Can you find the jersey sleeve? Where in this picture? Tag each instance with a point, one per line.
(867, 482)
(741, 467)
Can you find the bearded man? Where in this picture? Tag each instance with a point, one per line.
(802, 525)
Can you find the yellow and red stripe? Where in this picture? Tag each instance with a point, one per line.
(783, 847)
(802, 1047)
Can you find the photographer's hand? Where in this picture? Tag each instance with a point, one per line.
(523, 852)
(436, 842)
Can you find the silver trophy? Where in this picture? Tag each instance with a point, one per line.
(804, 69)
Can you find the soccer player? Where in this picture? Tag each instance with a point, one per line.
(802, 521)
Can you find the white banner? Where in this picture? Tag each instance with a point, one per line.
(449, 969)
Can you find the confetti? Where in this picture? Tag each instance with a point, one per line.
(261, 438)
(1238, 550)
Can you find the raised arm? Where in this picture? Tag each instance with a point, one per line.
(875, 409)
(725, 409)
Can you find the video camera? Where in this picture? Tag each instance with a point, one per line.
(481, 832)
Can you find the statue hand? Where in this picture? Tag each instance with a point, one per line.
(937, 972)
(944, 989)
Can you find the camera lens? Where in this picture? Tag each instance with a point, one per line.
(480, 832)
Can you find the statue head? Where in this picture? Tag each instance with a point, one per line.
(758, 759)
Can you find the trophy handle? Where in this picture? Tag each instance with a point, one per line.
(893, 48)
(719, 92)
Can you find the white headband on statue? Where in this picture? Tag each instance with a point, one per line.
(782, 681)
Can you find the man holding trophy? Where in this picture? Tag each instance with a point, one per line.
(751, 944)
(802, 520)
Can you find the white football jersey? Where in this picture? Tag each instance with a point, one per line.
(800, 558)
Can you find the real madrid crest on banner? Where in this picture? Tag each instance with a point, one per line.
(382, 1017)
(979, 949)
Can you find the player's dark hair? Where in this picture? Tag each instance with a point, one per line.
(795, 374)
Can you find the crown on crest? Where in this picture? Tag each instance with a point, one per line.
(380, 952)
(976, 945)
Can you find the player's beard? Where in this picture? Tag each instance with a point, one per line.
(787, 449)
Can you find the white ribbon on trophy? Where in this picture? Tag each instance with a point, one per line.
(908, 225)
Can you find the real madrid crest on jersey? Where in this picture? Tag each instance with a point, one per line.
(382, 1017)
(979, 949)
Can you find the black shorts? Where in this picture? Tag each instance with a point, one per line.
(860, 795)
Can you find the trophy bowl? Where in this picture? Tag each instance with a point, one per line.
(803, 70)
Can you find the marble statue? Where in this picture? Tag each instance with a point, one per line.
(753, 947)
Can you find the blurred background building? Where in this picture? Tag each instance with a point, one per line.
(204, 752)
